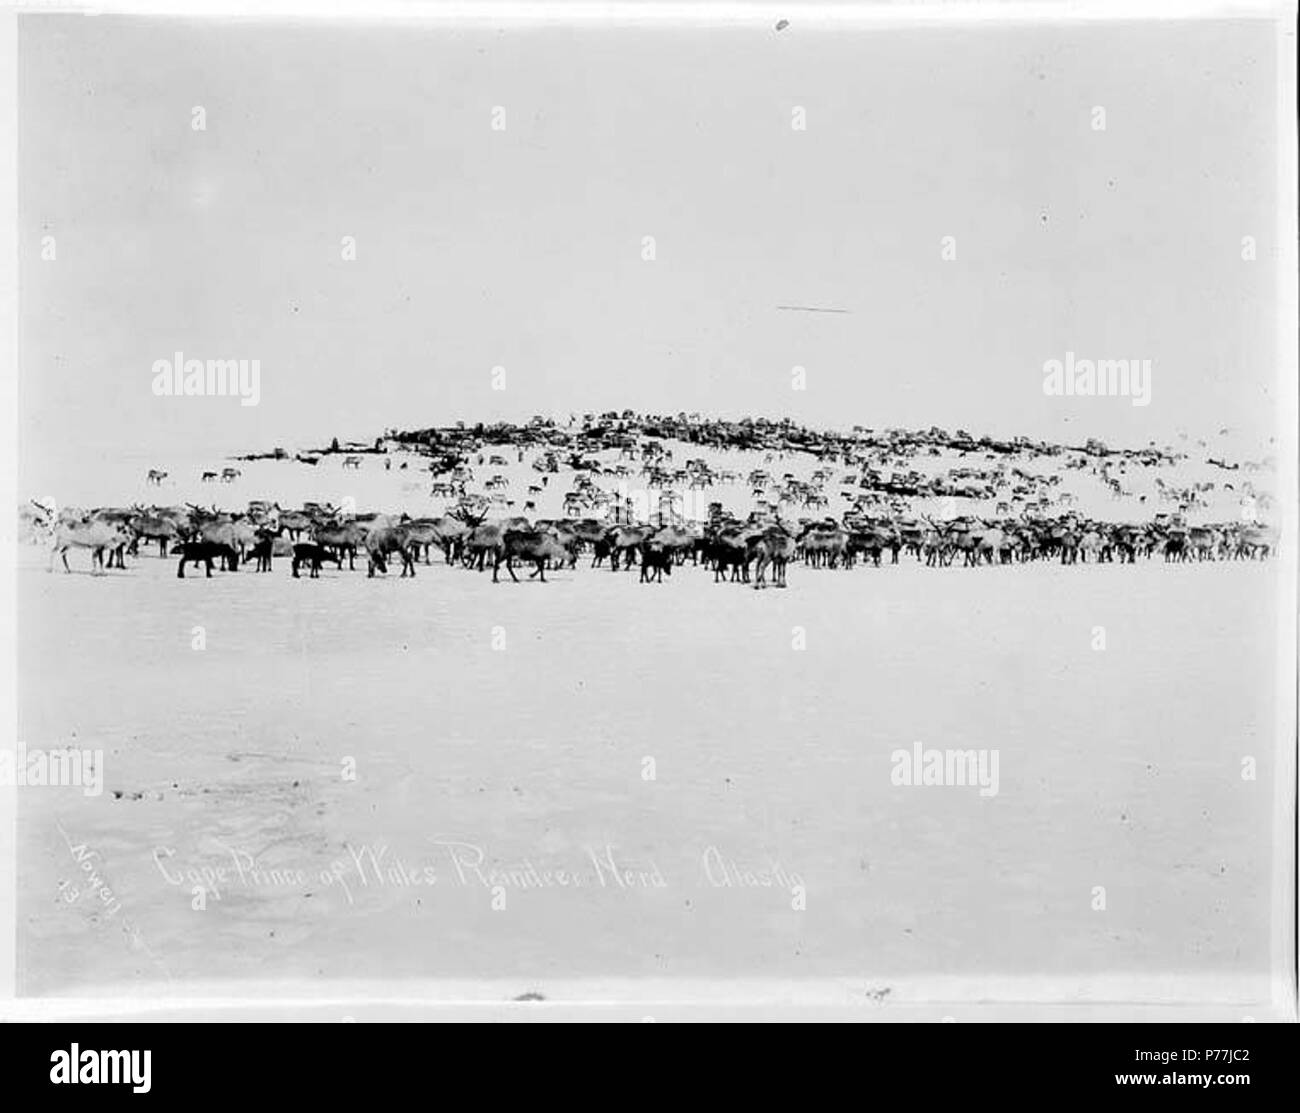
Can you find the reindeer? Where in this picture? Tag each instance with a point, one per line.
(534, 545)
(204, 552)
(153, 527)
(261, 552)
(313, 555)
(773, 548)
(91, 533)
(294, 522)
(656, 559)
(343, 539)
(155, 477)
(382, 542)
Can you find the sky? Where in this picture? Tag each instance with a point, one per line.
(524, 248)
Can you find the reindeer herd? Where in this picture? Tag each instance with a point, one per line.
(859, 507)
(756, 550)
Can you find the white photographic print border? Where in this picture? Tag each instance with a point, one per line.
(966, 998)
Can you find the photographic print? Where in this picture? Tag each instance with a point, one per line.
(757, 511)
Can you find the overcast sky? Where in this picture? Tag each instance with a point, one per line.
(523, 248)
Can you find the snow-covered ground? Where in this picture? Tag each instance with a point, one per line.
(696, 738)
